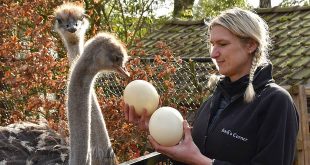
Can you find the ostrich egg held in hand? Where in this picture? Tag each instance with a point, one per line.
(141, 94)
(166, 126)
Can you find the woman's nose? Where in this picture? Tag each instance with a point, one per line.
(214, 53)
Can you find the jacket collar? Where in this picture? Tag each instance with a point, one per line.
(262, 76)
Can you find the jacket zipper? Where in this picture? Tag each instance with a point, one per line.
(214, 123)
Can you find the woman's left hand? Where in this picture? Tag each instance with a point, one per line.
(186, 151)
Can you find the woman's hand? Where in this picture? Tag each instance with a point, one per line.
(186, 151)
(132, 116)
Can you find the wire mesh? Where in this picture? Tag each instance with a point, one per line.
(190, 83)
(190, 80)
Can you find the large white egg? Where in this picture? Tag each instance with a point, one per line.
(166, 126)
(141, 94)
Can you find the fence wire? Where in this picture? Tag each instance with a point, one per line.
(190, 80)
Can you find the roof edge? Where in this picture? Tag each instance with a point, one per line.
(176, 21)
(278, 9)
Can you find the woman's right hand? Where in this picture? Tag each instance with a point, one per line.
(131, 116)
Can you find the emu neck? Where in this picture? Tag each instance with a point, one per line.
(79, 106)
(74, 51)
(74, 45)
(81, 81)
(80, 85)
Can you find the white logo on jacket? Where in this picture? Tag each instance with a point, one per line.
(233, 134)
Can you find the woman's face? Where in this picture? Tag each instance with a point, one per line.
(232, 56)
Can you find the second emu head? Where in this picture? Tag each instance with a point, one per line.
(71, 22)
(104, 52)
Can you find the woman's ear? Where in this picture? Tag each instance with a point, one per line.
(252, 45)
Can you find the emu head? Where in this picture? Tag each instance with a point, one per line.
(70, 21)
(106, 53)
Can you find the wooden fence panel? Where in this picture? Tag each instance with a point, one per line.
(303, 140)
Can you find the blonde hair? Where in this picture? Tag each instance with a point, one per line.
(247, 25)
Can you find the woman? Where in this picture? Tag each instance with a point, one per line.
(249, 119)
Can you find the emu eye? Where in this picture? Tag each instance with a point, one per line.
(59, 20)
(82, 17)
(117, 58)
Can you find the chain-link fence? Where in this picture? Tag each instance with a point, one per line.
(190, 81)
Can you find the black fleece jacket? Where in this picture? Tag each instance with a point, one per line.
(232, 131)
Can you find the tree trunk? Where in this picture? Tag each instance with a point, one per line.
(265, 3)
(180, 6)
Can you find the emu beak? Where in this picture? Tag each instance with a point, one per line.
(72, 29)
(122, 70)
